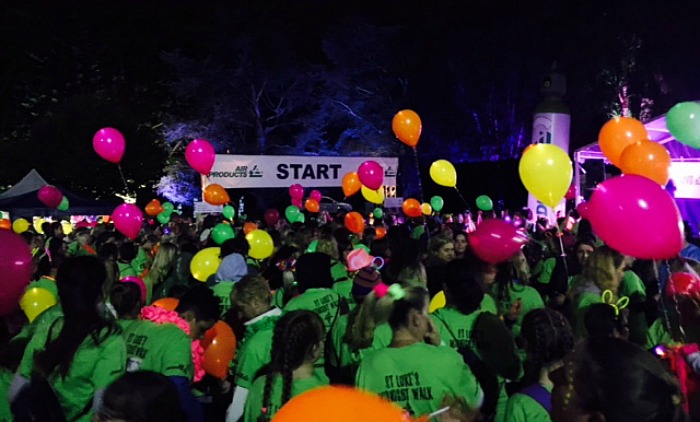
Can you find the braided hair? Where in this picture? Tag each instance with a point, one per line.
(548, 338)
(294, 337)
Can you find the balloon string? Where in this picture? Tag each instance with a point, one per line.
(420, 183)
(466, 204)
(121, 173)
(664, 308)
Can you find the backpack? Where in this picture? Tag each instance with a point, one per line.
(540, 395)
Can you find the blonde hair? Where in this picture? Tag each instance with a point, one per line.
(328, 245)
(162, 262)
(600, 268)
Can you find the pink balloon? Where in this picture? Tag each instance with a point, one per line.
(371, 174)
(16, 270)
(200, 155)
(50, 196)
(315, 195)
(582, 210)
(128, 220)
(272, 216)
(296, 191)
(496, 241)
(109, 144)
(297, 203)
(138, 282)
(637, 217)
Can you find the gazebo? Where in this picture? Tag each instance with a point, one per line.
(684, 184)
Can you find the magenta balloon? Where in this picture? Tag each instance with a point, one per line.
(296, 191)
(272, 216)
(109, 144)
(200, 155)
(50, 196)
(315, 195)
(128, 219)
(297, 203)
(637, 217)
(371, 174)
(582, 209)
(138, 282)
(16, 270)
(496, 241)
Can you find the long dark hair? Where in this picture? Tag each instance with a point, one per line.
(548, 339)
(296, 333)
(142, 396)
(79, 282)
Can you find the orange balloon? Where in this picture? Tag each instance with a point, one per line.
(340, 404)
(219, 345)
(407, 127)
(216, 195)
(648, 159)
(154, 208)
(411, 207)
(351, 183)
(379, 232)
(617, 134)
(168, 303)
(312, 205)
(5, 224)
(354, 222)
(249, 227)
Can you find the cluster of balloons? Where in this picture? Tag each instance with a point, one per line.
(313, 203)
(162, 212)
(636, 216)
(443, 173)
(368, 179)
(625, 143)
(294, 214)
(51, 196)
(546, 171)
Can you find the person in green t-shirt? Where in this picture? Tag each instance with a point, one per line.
(415, 371)
(354, 335)
(80, 353)
(603, 270)
(296, 346)
(81, 246)
(548, 339)
(144, 255)
(341, 277)
(250, 300)
(127, 253)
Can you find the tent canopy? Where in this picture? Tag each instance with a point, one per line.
(21, 200)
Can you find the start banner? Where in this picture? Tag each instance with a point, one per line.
(282, 171)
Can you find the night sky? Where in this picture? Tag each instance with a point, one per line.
(69, 68)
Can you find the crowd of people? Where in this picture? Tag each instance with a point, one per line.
(567, 329)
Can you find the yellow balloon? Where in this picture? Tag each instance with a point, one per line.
(205, 263)
(67, 227)
(546, 172)
(373, 196)
(20, 225)
(426, 208)
(438, 301)
(37, 225)
(443, 173)
(35, 301)
(261, 244)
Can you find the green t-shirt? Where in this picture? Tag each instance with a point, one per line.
(545, 273)
(581, 304)
(339, 272)
(344, 289)
(126, 270)
(278, 298)
(254, 351)
(94, 367)
(254, 403)
(223, 290)
(162, 348)
(530, 298)
(658, 334)
(5, 381)
(631, 285)
(523, 408)
(455, 328)
(417, 377)
(141, 261)
(75, 249)
(340, 353)
(324, 302)
(488, 304)
(45, 283)
(42, 322)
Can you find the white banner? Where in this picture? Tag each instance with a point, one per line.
(549, 128)
(282, 171)
(686, 179)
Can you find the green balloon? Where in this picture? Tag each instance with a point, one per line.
(229, 212)
(64, 205)
(301, 218)
(292, 213)
(164, 217)
(437, 203)
(168, 207)
(222, 232)
(312, 247)
(484, 203)
(683, 121)
(378, 213)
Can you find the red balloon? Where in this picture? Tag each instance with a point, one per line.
(582, 210)
(5, 224)
(219, 345)
(272, 216)
(154, 208)
(16, 270)
(637, 217)
(380, 232)
(411, 207)
(128, 220)
(496, 241)
(109, 144)
(371, 174)
(50, 196)
(354, 222)
(571, 193)
(682, 284)
(200, 155)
